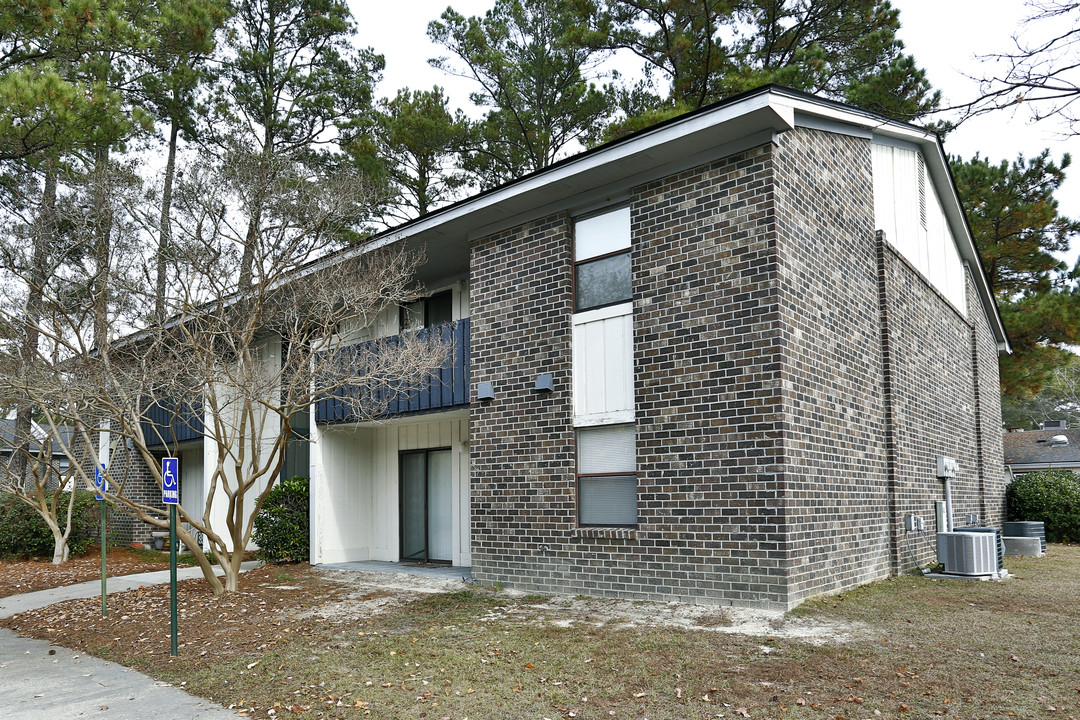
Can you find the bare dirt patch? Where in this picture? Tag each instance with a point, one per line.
(370, 594)
(24, 576)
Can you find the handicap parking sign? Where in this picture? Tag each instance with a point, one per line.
(99, 482)
(170, 481)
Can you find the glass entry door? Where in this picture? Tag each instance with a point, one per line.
(425, 492)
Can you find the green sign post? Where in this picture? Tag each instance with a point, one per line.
(99, 483)
(170, 495)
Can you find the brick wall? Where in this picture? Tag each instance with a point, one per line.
(932, 395)
(991, 508)
(522, 443)
(706, 357)
(127, 468)
(795, 380)
(833, 482)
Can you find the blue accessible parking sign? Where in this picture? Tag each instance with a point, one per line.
(170, 481)
(99, 482)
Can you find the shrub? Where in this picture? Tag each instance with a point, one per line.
(281, 528)
(1052, 496)
(24, 533)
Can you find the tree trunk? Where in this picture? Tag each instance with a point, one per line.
(61, 551)
(247, 261)
(44, 236)
(102, 248)
(165, 226)
(203, 562)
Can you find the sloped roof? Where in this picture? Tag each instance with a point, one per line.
(595, 176)
(678, 143)
(64, 437)
(1034, 448)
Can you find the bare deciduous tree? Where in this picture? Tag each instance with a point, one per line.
(247, 358)
(1041, 74)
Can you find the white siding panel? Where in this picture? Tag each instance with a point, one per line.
(342, 496)
(619, 370)
(932, 250)
(884, 194)
(461, 296)
(908, 227)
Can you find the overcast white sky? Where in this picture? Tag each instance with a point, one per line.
(945, 36)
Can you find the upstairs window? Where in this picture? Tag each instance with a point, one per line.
(602, 260)
(428, 312)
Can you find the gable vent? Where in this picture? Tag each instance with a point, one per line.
(922, 189)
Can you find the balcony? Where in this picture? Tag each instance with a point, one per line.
(446, 388)
(164, 424)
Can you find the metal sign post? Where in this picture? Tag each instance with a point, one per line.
(170, 495)
(99, 483)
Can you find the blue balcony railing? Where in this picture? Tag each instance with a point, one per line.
(446, 388)
(166, 422)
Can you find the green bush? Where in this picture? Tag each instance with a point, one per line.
(281, 527)
(1052, 496)
(23, 532)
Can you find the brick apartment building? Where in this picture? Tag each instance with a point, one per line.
(713, 361)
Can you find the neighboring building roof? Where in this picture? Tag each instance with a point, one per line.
(64, 436)
(1033, 448)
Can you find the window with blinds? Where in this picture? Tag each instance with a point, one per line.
(607, 479)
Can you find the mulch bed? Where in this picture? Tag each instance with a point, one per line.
(252, 619)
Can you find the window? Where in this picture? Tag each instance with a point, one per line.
(607, 479)
(428, 312)
(602, 260)
(604, 371)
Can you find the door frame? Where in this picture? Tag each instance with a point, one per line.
(427, 492)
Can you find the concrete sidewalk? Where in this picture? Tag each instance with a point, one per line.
(36, 685)
(31, 601)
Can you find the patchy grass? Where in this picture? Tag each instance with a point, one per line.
(949, 649)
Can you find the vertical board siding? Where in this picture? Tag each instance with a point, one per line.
(166, 424)
(447, 387)
(359, 514)
(930, 250)
(603, 364)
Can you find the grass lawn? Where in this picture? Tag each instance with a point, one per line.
(302, 644)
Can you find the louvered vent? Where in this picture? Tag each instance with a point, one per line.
(922, 190)
(965, 553)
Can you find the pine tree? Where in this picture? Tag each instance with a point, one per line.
(1019, 231)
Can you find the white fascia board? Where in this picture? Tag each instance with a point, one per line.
(759, 106)
(937, 165)
(1063, 465)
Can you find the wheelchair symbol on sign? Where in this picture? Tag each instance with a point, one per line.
(170, 481)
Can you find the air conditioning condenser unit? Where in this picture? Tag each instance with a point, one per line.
(968, 553)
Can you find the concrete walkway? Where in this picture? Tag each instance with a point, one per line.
(36, 685)
(444, 572)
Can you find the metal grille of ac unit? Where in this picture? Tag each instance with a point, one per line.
(999, 541)
(965, 553)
